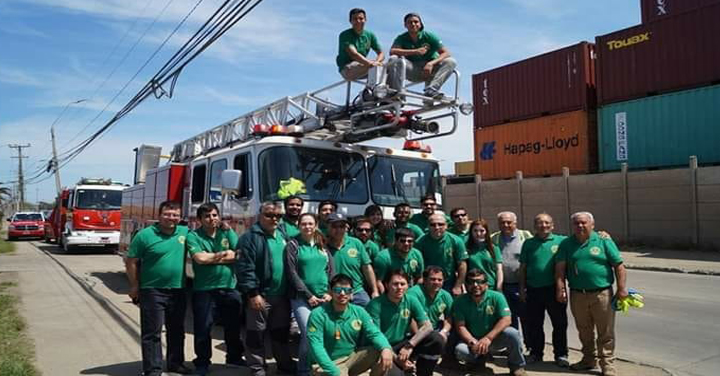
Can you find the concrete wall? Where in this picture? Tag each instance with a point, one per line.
(674, 208)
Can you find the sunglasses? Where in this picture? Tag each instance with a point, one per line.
(458, 215)
(476, 282)
(406, 240)
(342, 290)
(272, 216)
(363, 229)
(437, 224)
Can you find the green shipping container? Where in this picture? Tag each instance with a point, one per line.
(661, 131)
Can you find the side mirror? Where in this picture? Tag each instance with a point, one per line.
(8, 219)
(230, 181)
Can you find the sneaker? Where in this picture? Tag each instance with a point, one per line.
(562, 361)
(518, 372)
(584, 365)
(609, 371)
(532, 358)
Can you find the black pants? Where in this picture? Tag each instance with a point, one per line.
(228, 305)
(426, 353)
(540, 300)
(160, 307)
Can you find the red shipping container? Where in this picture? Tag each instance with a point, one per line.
(676, 53)
(653, 10)
(551, 83)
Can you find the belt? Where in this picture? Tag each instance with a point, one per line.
(588, 291)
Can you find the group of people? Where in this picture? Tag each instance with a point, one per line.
(374, 294)
(417, 55)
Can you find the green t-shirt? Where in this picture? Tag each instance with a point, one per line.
(291, 230)
(480, 318)
(589, 265)
(162, 257)
(479, 258)
(276, 245)
(446, 252)
(212, 276)
(389, 259)
(463, 235)
(372, 248)
(312, 263)
(390, 234)
(425, 38)
(362, 42)
(420, 220)
(394, 319)
(350, 259)
(332, 335)
(438, 308)
(538, 255)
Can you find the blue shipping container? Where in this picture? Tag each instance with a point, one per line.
(661, 131)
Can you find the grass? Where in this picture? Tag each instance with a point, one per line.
(16, 349)
(6, 247)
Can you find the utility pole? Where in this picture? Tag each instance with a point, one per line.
(21, 178)
(55, 164)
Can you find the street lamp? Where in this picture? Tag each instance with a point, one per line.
(54, 150)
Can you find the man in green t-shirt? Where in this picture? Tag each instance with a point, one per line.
(394, 312)
(351, 259)
(402, 256)
(155, 266)
(363, 231)
(429, 207)
(482, 321)
(445, 250)
(325, 208)
(437, 302)
(588, 261)
(537, 289)
(354, 45)
(261, 279)
(336, 331)
(293, 208)
(402, 220)
(461, 223)
(214, 288)
(423, 57)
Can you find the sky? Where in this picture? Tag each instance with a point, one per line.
(57, 52)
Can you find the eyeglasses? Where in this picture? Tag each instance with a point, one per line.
(272, 216)
(476, 282)
(360, 229)
(342, 290)
(406, 241)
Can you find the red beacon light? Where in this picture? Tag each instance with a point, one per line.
(277, 130)
(261, 130)
(413, 145)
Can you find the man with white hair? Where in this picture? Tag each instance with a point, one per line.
(588, 261)
(510, 241)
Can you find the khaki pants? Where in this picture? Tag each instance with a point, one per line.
(354, 70)
(362, 360)
(593, 311)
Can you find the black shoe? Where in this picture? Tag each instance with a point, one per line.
(236, 363)
(288, 369)
(181, 369)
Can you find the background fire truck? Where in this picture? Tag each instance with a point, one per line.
(87, 214)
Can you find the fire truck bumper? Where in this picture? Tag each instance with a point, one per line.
(93, 238)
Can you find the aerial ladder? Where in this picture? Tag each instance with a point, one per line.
(374, 111)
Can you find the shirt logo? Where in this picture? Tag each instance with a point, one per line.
(448, 251)
(181, 239)
(490, 310)
(554, 249)
(352, 252)
(357, 325)
(595, 251)
(442, 307)
(413, 264)
(405, 313)
(225, 243)
(312, 329)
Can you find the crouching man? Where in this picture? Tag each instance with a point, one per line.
(335, 330)
(482, 320)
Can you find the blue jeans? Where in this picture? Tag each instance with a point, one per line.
(301, 310)
(361, 298)
(227, 303)
(508, 338)
(160, 307)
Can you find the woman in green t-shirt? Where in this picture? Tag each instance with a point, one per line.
(484, 255)
(310, 267)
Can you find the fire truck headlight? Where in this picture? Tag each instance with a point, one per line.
(380, 91)
(466, 108)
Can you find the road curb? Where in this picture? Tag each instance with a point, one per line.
(671, 270)
(639, 363)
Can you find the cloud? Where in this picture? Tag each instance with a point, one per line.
(21, 29)
(18, 77)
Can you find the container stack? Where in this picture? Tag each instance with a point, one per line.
(537, 115)
(659, 88)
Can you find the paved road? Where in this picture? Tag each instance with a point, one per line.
(677, 329)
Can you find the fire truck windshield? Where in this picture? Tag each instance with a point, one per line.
(327, 174)
(396, 180)
(98, 199)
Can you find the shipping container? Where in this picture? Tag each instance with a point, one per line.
(661, 131)
(538, 147)
(465, 168)
(653, 10)
(677, 53)
(551, 83)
